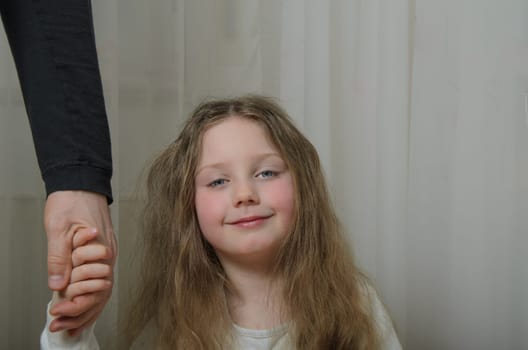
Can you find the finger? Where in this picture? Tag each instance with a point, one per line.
(83, 236)
(108, 238)
(85, 287)
(75, 323)
(80, 304)
(90, 253)
(106, 232)
(113, 246)
(77, 331)
(59, 260)
(90, 271)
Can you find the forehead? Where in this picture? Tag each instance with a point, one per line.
(232, 136)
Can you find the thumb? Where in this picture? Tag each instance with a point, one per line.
(59, 261)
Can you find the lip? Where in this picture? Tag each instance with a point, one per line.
(249, 221)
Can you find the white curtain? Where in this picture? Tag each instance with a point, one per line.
(418, 108)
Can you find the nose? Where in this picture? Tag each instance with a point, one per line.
(245, 193)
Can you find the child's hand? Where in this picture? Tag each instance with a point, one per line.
(90, 283)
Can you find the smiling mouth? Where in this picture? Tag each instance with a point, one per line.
(250, 221)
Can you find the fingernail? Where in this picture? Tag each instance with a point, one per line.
(55, 281)
(55, 327)
(93, 230)
(55, 312)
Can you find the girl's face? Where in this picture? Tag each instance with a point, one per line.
(244, 191)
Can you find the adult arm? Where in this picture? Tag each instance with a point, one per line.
(52, 42)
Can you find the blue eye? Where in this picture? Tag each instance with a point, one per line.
(216, 183)
(266, 174)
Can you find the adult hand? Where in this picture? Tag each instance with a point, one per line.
(67, 212)
(91, 277)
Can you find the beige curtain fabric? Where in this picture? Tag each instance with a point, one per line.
(419, 110)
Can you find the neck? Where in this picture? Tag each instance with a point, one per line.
(254, 298)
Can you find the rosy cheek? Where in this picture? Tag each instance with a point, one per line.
(208, 209)
(282, 194)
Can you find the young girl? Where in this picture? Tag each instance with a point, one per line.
(243, 249)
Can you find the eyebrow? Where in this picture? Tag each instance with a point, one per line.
(257, 158)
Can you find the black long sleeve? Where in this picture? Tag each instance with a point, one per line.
(53, 44)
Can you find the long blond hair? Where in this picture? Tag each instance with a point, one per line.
(183, 285)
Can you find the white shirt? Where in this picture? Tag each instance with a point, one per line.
(248, 339)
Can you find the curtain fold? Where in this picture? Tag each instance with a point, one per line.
(419, 111)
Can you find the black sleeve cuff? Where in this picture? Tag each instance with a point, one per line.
(79, 178)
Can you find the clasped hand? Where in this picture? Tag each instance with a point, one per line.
(79, 230)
